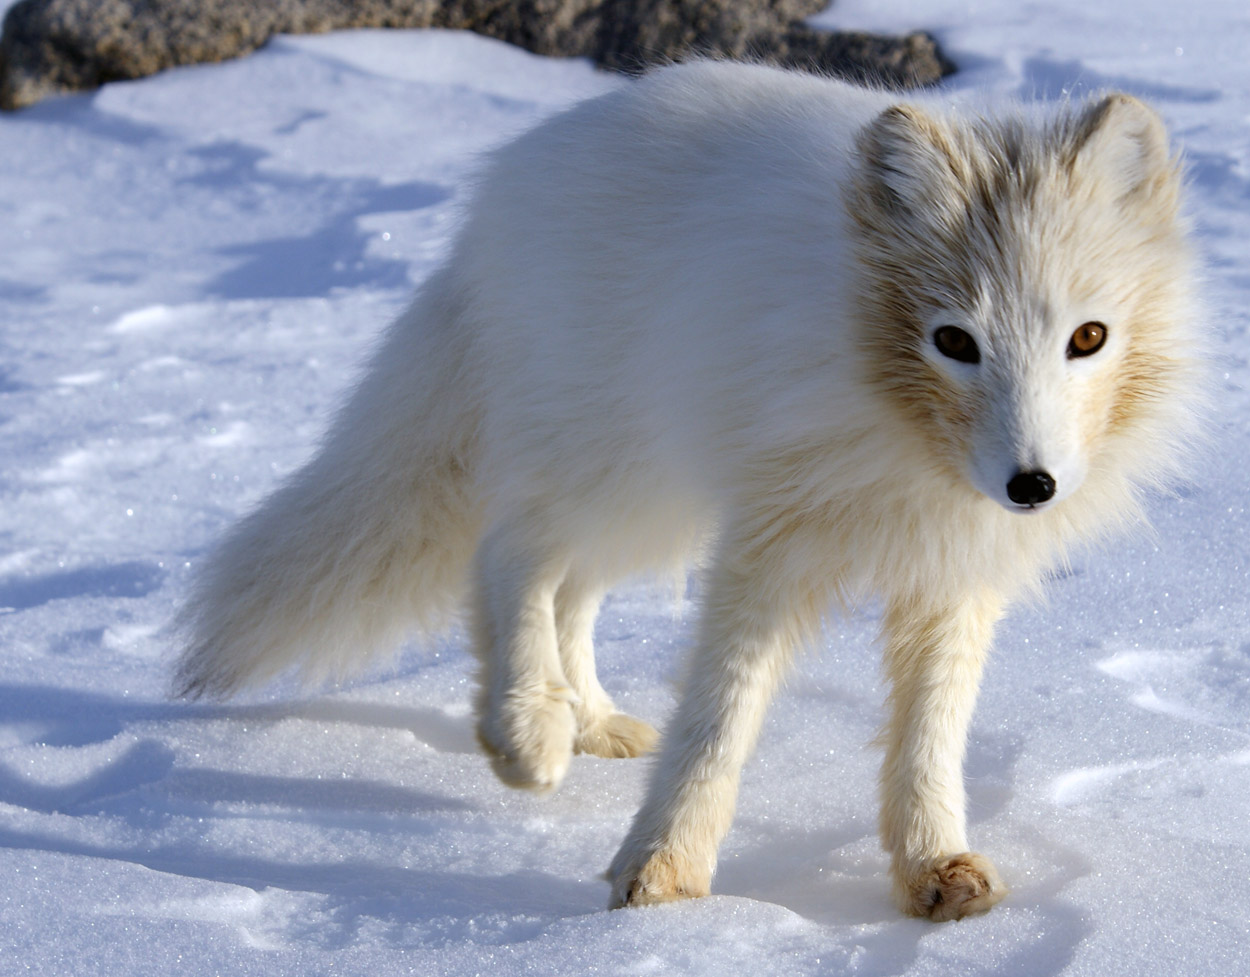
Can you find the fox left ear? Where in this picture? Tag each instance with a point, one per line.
(1124, 143)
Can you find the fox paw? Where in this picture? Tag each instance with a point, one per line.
(950, 888)
(530, 737)
(663, 876)
(616, 735)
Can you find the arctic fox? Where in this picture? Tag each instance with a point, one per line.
(836, 343)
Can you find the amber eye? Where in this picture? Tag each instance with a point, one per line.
(958, 345)
(1087, 340)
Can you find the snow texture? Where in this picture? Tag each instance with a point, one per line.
(192, 266)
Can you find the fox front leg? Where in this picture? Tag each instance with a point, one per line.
(933, 659)
(746, 640)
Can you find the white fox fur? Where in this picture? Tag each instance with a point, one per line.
(707, 311)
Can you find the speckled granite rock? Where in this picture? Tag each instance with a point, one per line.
(50, 47)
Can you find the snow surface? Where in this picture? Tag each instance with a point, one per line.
(190, 268)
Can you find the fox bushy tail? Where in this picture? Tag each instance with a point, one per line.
(371, 538)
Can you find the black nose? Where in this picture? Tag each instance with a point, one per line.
(1030, 488)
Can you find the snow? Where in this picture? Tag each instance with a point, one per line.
(192, 265)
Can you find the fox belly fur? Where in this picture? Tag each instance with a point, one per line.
(837, 344)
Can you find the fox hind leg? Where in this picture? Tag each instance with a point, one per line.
(601, 729)
(526, 717)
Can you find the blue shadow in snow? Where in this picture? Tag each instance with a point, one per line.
(145, 788)
(144, 763)
(12, 290)
(132, 579)
(334, 255)
(80, 112)
(8, 384)
(73, 717)
(357, 890)
(1049, 79)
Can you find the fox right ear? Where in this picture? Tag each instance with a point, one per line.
(909, 161)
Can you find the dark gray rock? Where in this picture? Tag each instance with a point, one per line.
(50, 47)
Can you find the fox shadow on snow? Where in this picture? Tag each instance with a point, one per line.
(145, 788)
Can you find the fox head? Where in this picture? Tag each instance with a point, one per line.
(1025, 298)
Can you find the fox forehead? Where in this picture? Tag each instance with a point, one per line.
(1021, 225)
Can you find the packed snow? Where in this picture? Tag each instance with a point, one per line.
(191, 268)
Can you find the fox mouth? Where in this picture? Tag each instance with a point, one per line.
(1026, 508)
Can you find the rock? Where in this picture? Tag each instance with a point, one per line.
(51, 47)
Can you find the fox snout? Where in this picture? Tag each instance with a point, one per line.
(1028, 447)
(1027, 479)
(1027, 489)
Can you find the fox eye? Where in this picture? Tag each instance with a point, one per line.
(958, 345)
(1087, 340)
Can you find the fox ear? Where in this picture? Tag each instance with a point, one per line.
(1123, 143)
(909, 161)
